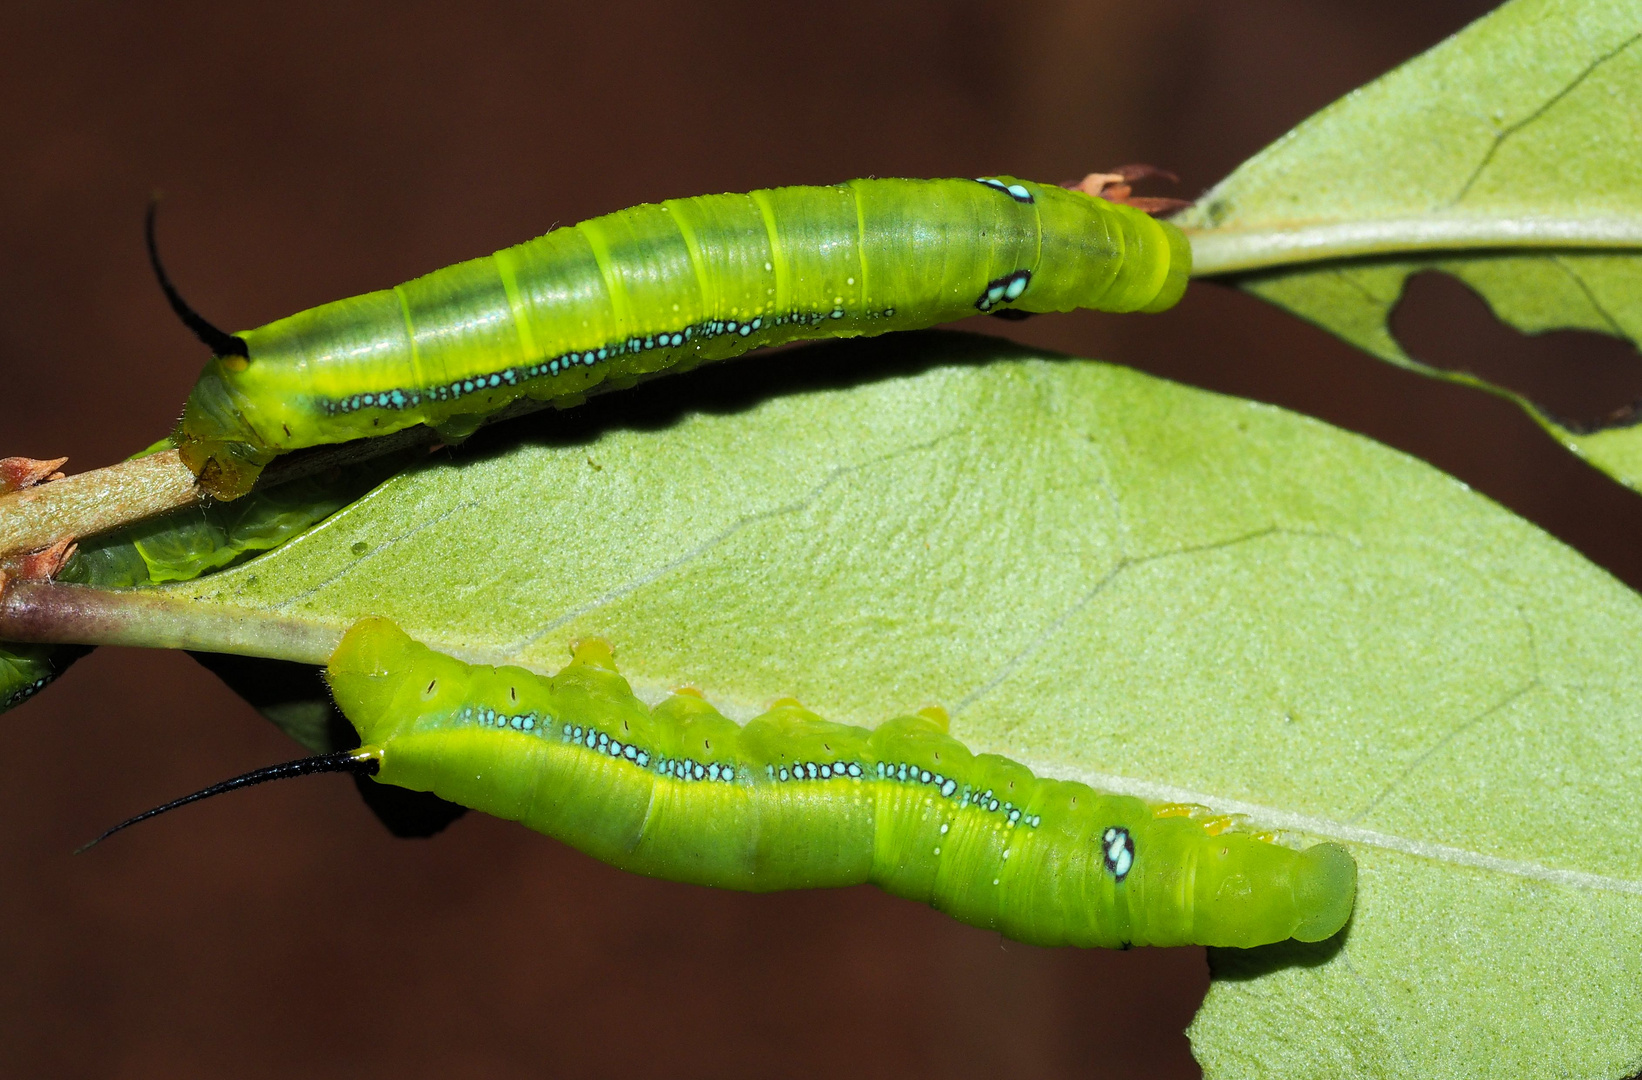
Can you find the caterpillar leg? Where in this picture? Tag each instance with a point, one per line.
(1185, 810)
(453, 430)
(1212, 823)
(1218, 824)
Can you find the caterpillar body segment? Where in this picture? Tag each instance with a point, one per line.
(667, 285)
(794, 801)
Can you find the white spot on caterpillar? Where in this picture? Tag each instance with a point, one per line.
(1119, 851)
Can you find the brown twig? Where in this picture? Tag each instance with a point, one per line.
(92, 502)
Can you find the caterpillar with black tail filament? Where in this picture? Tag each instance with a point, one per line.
(792, 801)
(657, 286)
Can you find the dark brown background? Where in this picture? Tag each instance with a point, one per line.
(319, 152)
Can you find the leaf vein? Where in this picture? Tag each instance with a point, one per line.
(798, 505)
(1512, 129)
(1120, 567)
(1330, 828)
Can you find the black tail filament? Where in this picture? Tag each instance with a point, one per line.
(348, 761)
(219, 342)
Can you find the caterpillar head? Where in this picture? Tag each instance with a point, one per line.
(377, 667)
(1249, 892)
(214, 438)
(1325, 889)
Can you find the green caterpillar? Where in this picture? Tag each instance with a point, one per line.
(657, 286)
(793, 801)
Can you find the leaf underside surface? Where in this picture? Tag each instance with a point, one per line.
(1111, 578)
(1520, 138)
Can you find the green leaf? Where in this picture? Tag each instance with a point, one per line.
(200, 539)
(194, 541)
(25, 670)
(1112, 578)
(1507, 156)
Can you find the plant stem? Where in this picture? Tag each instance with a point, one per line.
(98, 500)
(93, 502)
(77, 614)
(1235, 251)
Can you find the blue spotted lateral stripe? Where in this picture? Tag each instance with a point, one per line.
(519, 375)
(666, 286)
(685, 770)
(791, 800)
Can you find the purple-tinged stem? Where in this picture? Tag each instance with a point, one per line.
(80, 615)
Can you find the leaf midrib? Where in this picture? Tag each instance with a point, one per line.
(1288, 243)
(1327, 828)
